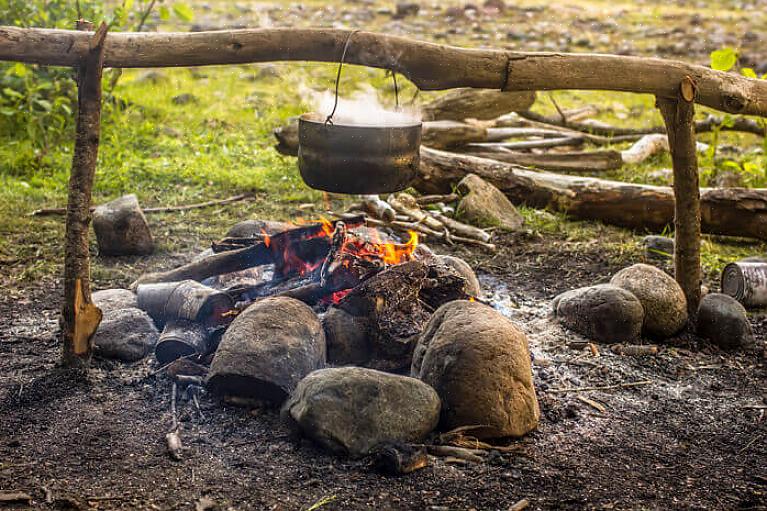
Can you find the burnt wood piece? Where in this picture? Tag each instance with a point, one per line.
(727, 211)
(422, 63)
(257, 254)
(679, 117)
(79, 316)
(396, 304)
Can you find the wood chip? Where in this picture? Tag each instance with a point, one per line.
(594, 404)
(520, 505)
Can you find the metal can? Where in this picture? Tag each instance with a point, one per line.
(746, 281)
(181, 338)
(188, 299)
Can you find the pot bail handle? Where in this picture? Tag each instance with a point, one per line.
(329, 118)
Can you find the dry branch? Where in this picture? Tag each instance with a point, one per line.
(476, 104)
(728, 211)
(423, 63)
(165, 209)
(741, 124)
(581, 161)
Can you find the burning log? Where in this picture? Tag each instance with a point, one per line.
(733, 211)
(278, 250)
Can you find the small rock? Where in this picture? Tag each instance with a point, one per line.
(267, 71)
(722, 320)
(603, 313)
(114, 299)
(405, 9)
(462, 267)
(184, 99)
(267, 350)
(478, 361)
(663, 300)
(727, 179)
(121, 228)
(352, 410)
(252, 228)
(658, 247)
(484, 205)
(125, 334)
(347, 338)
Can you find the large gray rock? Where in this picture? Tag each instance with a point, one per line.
(484, 205)
(722, 320)
(351, 410)
(603, 313)
(665, 305)
(478, 361)
(347, 338)
(658, 247)
(267, 350)
(125, 334)
(121, 228)
(462, 267)
(114, 299)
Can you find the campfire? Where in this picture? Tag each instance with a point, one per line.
(343, 264)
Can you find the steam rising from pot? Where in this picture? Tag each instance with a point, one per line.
(362, 109)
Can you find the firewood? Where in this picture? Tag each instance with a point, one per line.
(741, 124)
(730, 211)
(406, 204)
(163, 209)
(374, 206)
(543, 143)
(472, 455)
(461, 228)
(635, 350)
(426, 200)
(648, 146)
(446, 134)
(461, 104)
(585, 161)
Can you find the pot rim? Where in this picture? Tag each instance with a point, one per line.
(316, 118)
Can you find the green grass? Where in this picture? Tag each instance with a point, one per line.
(220, 145)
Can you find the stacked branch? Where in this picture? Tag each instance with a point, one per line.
(410, 217)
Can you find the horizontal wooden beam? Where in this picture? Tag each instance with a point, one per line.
(430, 66)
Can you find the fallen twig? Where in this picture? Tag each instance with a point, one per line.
(166, 209)
(635, 350)
(605, 387)
(471, 455)
(173, 439)
(425, 200)
(597, 406)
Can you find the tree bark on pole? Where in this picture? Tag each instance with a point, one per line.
(678, 114)
(79, 316)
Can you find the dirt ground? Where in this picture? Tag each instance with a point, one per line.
(693, 438)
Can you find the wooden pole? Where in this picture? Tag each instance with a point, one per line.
(678, 114)
(79, 316)
(425, 64)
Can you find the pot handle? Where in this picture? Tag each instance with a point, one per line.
(329, 118)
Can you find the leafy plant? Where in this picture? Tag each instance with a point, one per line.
(37, 102)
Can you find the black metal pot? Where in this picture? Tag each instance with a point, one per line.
(358, 159)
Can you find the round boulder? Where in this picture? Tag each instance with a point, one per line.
(114, 299)
(464, 270)
(125, 334)
(722, 320)
(267, 350)
(478, 361)
(351, 410)
(604, 313)
(665, 306)
(121, 228)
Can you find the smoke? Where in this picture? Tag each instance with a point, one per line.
(362, 109)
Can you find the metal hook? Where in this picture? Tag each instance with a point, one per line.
(329, 118)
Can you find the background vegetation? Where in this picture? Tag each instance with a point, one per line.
(177, 136)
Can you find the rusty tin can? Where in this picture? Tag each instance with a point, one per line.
(188, 299)
(746, 281)
(181, 338)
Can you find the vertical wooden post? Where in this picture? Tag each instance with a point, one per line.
(678, 114)
(79, 317)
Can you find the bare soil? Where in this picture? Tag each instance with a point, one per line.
(693, 438)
